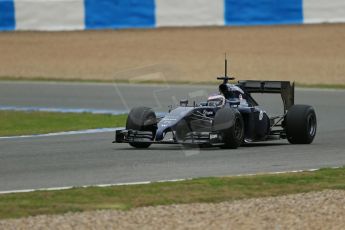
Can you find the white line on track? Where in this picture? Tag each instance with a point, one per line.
(147, 182)
(88, 131)
(87, 186)
(61, 110)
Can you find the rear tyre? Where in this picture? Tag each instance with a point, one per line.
(141, 119)
(233, 132)
(301, 124)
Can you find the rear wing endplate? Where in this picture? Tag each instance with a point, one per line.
(284, 88)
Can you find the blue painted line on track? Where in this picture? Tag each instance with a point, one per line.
(61, 110)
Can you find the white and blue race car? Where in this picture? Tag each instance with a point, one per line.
(228, 119)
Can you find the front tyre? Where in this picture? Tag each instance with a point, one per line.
(301, 124)
(229, 122)
(233, 137)
(141, 119)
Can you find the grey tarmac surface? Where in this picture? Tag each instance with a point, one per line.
(89, 159)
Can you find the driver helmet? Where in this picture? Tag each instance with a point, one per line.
(216, 100)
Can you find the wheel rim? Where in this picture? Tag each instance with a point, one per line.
(312, 125)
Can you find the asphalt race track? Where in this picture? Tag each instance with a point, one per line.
(90, 159)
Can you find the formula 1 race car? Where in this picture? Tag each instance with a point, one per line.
(228, 119)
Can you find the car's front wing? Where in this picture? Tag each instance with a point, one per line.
(192, 138)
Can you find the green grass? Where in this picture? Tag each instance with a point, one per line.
(24, 123)
(166, 193)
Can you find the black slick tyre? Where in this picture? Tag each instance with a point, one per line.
(181, 130)
(141, 119)
(233, 127)
(233, 137)
(300, 124)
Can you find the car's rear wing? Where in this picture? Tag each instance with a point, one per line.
(284, 88)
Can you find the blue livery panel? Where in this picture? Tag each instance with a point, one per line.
(105, 14)
(7, 15)
(263, 12)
